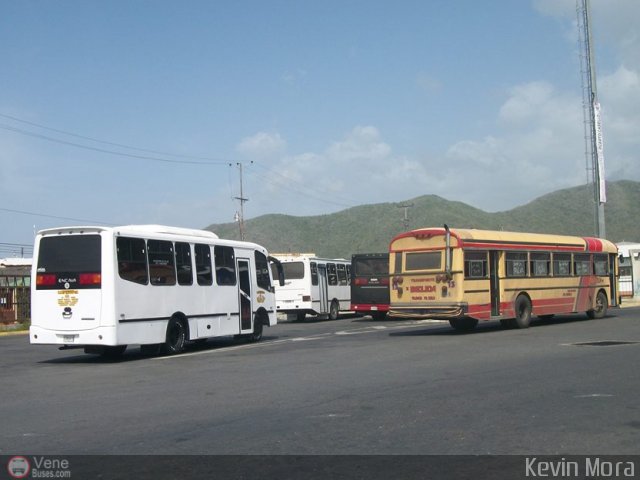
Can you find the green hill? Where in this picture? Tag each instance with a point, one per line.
(369, 228)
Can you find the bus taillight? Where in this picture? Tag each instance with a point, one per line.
(360, 281)
(46, 279)
(90, 279)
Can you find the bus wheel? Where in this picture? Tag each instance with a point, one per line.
(113, 352)
(258, 326)
(463, 324)
(523, 311)
(176, 337)
(378, 316)
(334, 310)
(600, 309)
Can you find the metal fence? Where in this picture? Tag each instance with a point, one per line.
(15, 299)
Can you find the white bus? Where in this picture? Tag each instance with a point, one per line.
(150, 285)
(317, 286)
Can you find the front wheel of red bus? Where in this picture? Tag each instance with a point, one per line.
(600, 309)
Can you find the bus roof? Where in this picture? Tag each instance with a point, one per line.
(164, 229)
(497, 239)
(288, 257)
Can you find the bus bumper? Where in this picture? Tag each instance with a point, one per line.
(95, 336)
(444, 312)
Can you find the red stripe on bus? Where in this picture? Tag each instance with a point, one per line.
(520, 246)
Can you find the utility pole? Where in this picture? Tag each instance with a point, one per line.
(240, 217)
(405, 220)
(594, 151)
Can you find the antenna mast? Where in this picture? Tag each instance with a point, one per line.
(594, 152)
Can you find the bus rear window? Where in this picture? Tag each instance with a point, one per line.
(69, 261)
(371, 267)
(293, 270)
(423, 261)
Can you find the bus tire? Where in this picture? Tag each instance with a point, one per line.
(334, 310)
(463, 324)
(600, 309)
(378, 316)
(176, 337)
(258, 326)
(523, 312)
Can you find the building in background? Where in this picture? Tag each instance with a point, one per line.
(15, 285)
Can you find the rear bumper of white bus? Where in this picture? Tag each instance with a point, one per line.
(94, 336)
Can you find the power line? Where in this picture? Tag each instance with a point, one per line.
(106, 142)
(111, 152)
(34, 214)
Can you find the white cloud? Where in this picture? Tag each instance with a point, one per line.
(262, 145)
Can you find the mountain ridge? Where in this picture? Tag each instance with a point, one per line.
(370, 227)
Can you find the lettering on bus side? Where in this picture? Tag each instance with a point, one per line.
(422, 288)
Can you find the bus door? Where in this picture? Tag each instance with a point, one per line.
(244, 293)
(323, 288)
(494, 282)
(613, 294)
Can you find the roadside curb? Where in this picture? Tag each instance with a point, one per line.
(10, 333)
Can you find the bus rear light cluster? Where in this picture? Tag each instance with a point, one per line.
(46, 279)
(90, 279)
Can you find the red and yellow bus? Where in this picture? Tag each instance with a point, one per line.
(469, 275)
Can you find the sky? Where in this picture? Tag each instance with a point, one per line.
(135, 112)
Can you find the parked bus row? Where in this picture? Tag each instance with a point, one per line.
(103, 288)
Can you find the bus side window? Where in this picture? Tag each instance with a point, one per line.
(225, 261)
(342, 274)
(600, 265)
(331, 274)
(475, 264)
(132, 260)
(561, 264)
(314, 273)
(183, 263)
(516, 264)
(204, 273)
(582, 264)
(162, 269)
(540, 264)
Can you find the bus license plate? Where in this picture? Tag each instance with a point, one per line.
(374, 307)
(68, 338)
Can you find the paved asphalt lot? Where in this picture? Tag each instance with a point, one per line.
(351, 386)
